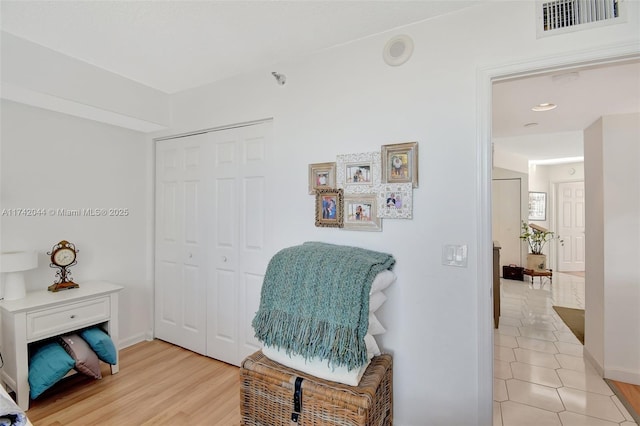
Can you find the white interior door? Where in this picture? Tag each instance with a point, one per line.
(506, 218)
(238, 239)
(571, 256)
(181, 246)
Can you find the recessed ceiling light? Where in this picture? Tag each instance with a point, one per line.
(530, 124)
(398, 50)
(544, 107)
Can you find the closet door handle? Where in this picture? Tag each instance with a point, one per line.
(224, 258)
(72, 316)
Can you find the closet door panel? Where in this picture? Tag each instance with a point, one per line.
(167, 296)
(241, 208)
(254, 220)
(192, 294)
(222, 317)
(212, 215)
(252, 286)
(256, 209)
(192, 232)
(180, 278)
(225, 213)
(222, 337)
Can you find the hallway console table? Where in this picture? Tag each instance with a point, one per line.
(548, 273)
(42, 315)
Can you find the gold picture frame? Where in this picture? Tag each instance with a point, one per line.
(329, 207)
(322, 176)
(400, 163)
(361, 213)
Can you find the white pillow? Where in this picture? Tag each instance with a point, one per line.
(316, 367)
(374, 326)
(383, 280)
(376, 300)
(372, 346)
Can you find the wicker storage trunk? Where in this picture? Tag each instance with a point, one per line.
(267, 395)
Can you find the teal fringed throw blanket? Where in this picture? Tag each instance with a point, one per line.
(315, 301)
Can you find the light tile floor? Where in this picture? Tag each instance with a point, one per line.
(540, 376)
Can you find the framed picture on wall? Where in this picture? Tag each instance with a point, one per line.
(395, 200)
(358, 173)
(400, 163)
(537, 205)
(321, 175)
(329, 208)
(361, 213)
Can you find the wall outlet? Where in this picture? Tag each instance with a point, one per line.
(454, 255)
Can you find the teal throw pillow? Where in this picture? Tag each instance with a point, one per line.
(48, 364)
(101, 344)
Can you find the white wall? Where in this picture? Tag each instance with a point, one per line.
(510, 161)
(38, 76)
(621, 136)
(55, 161)
(346, 100)
(612, 290)
(562, 145)
(594, 250)
(340, 101)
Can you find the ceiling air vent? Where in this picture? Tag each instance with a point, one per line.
(558, 16)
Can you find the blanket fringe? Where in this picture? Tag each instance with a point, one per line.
(311, 338)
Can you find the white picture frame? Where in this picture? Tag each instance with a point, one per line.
(537, 206)
(395, 200)
(358, 173)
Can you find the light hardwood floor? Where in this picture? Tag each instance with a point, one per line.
(158, 384)
(631, 394)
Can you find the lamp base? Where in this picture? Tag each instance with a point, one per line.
(14, 286)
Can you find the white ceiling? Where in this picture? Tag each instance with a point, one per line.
(581, 95)
(177, 45)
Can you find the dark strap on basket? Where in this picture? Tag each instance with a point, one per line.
(297, 400)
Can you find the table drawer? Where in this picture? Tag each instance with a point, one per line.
(69, 317)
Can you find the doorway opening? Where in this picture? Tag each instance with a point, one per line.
(490, 77)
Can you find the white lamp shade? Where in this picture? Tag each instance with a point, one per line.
(11, 265)
(14, 261)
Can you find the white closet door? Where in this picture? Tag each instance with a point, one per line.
(238, 239)
(181, 246)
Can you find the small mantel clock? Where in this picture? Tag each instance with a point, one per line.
(63, 256)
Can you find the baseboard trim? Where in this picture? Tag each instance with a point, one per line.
(611, 373)
(622, 376)
(134, 339)
(595, 364)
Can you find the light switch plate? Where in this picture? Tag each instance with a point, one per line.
(454, 255)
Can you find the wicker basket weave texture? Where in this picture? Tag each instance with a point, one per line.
(267, 387)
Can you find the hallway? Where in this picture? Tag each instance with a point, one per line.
(540, 376)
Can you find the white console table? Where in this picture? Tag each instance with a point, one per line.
(43, 314)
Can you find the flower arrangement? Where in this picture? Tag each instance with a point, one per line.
(537, 237)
